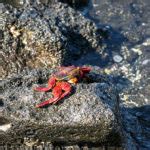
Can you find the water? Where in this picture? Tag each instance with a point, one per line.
(129, 29)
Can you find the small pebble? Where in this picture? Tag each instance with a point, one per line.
(137, 50)
(5, 127)
(147, 42)
(146, 61)
(117, 58)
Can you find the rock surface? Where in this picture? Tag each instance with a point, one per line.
(22, 3)
(89, 114)
(44, 36)
(129, 31)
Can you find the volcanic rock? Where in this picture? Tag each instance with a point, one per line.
(44, 36)
(89, 114)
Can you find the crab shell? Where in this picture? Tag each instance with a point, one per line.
(70, 73)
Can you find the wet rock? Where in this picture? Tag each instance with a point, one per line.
(89, 114)
(44, 36)
(128, 18)
(130, 38)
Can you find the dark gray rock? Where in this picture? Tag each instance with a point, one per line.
(44, 36)
(89, 114)
(21, 3)
(75, 3)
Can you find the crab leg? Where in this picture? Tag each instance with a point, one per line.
(57, 93)
(51, 83)
(66, 87)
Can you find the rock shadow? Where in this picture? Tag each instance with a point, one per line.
(103, 56)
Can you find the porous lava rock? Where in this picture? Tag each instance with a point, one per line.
(89, 114)
(75, 3)
(44, 36)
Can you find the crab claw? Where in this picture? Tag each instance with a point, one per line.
(57, 93)
(86, 69)
(51, 84)
(83, 71)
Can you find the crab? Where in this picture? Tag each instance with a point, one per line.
(60, 83)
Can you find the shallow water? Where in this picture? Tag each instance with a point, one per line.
(129, 26)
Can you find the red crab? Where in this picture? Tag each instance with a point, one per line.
(60, 83)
